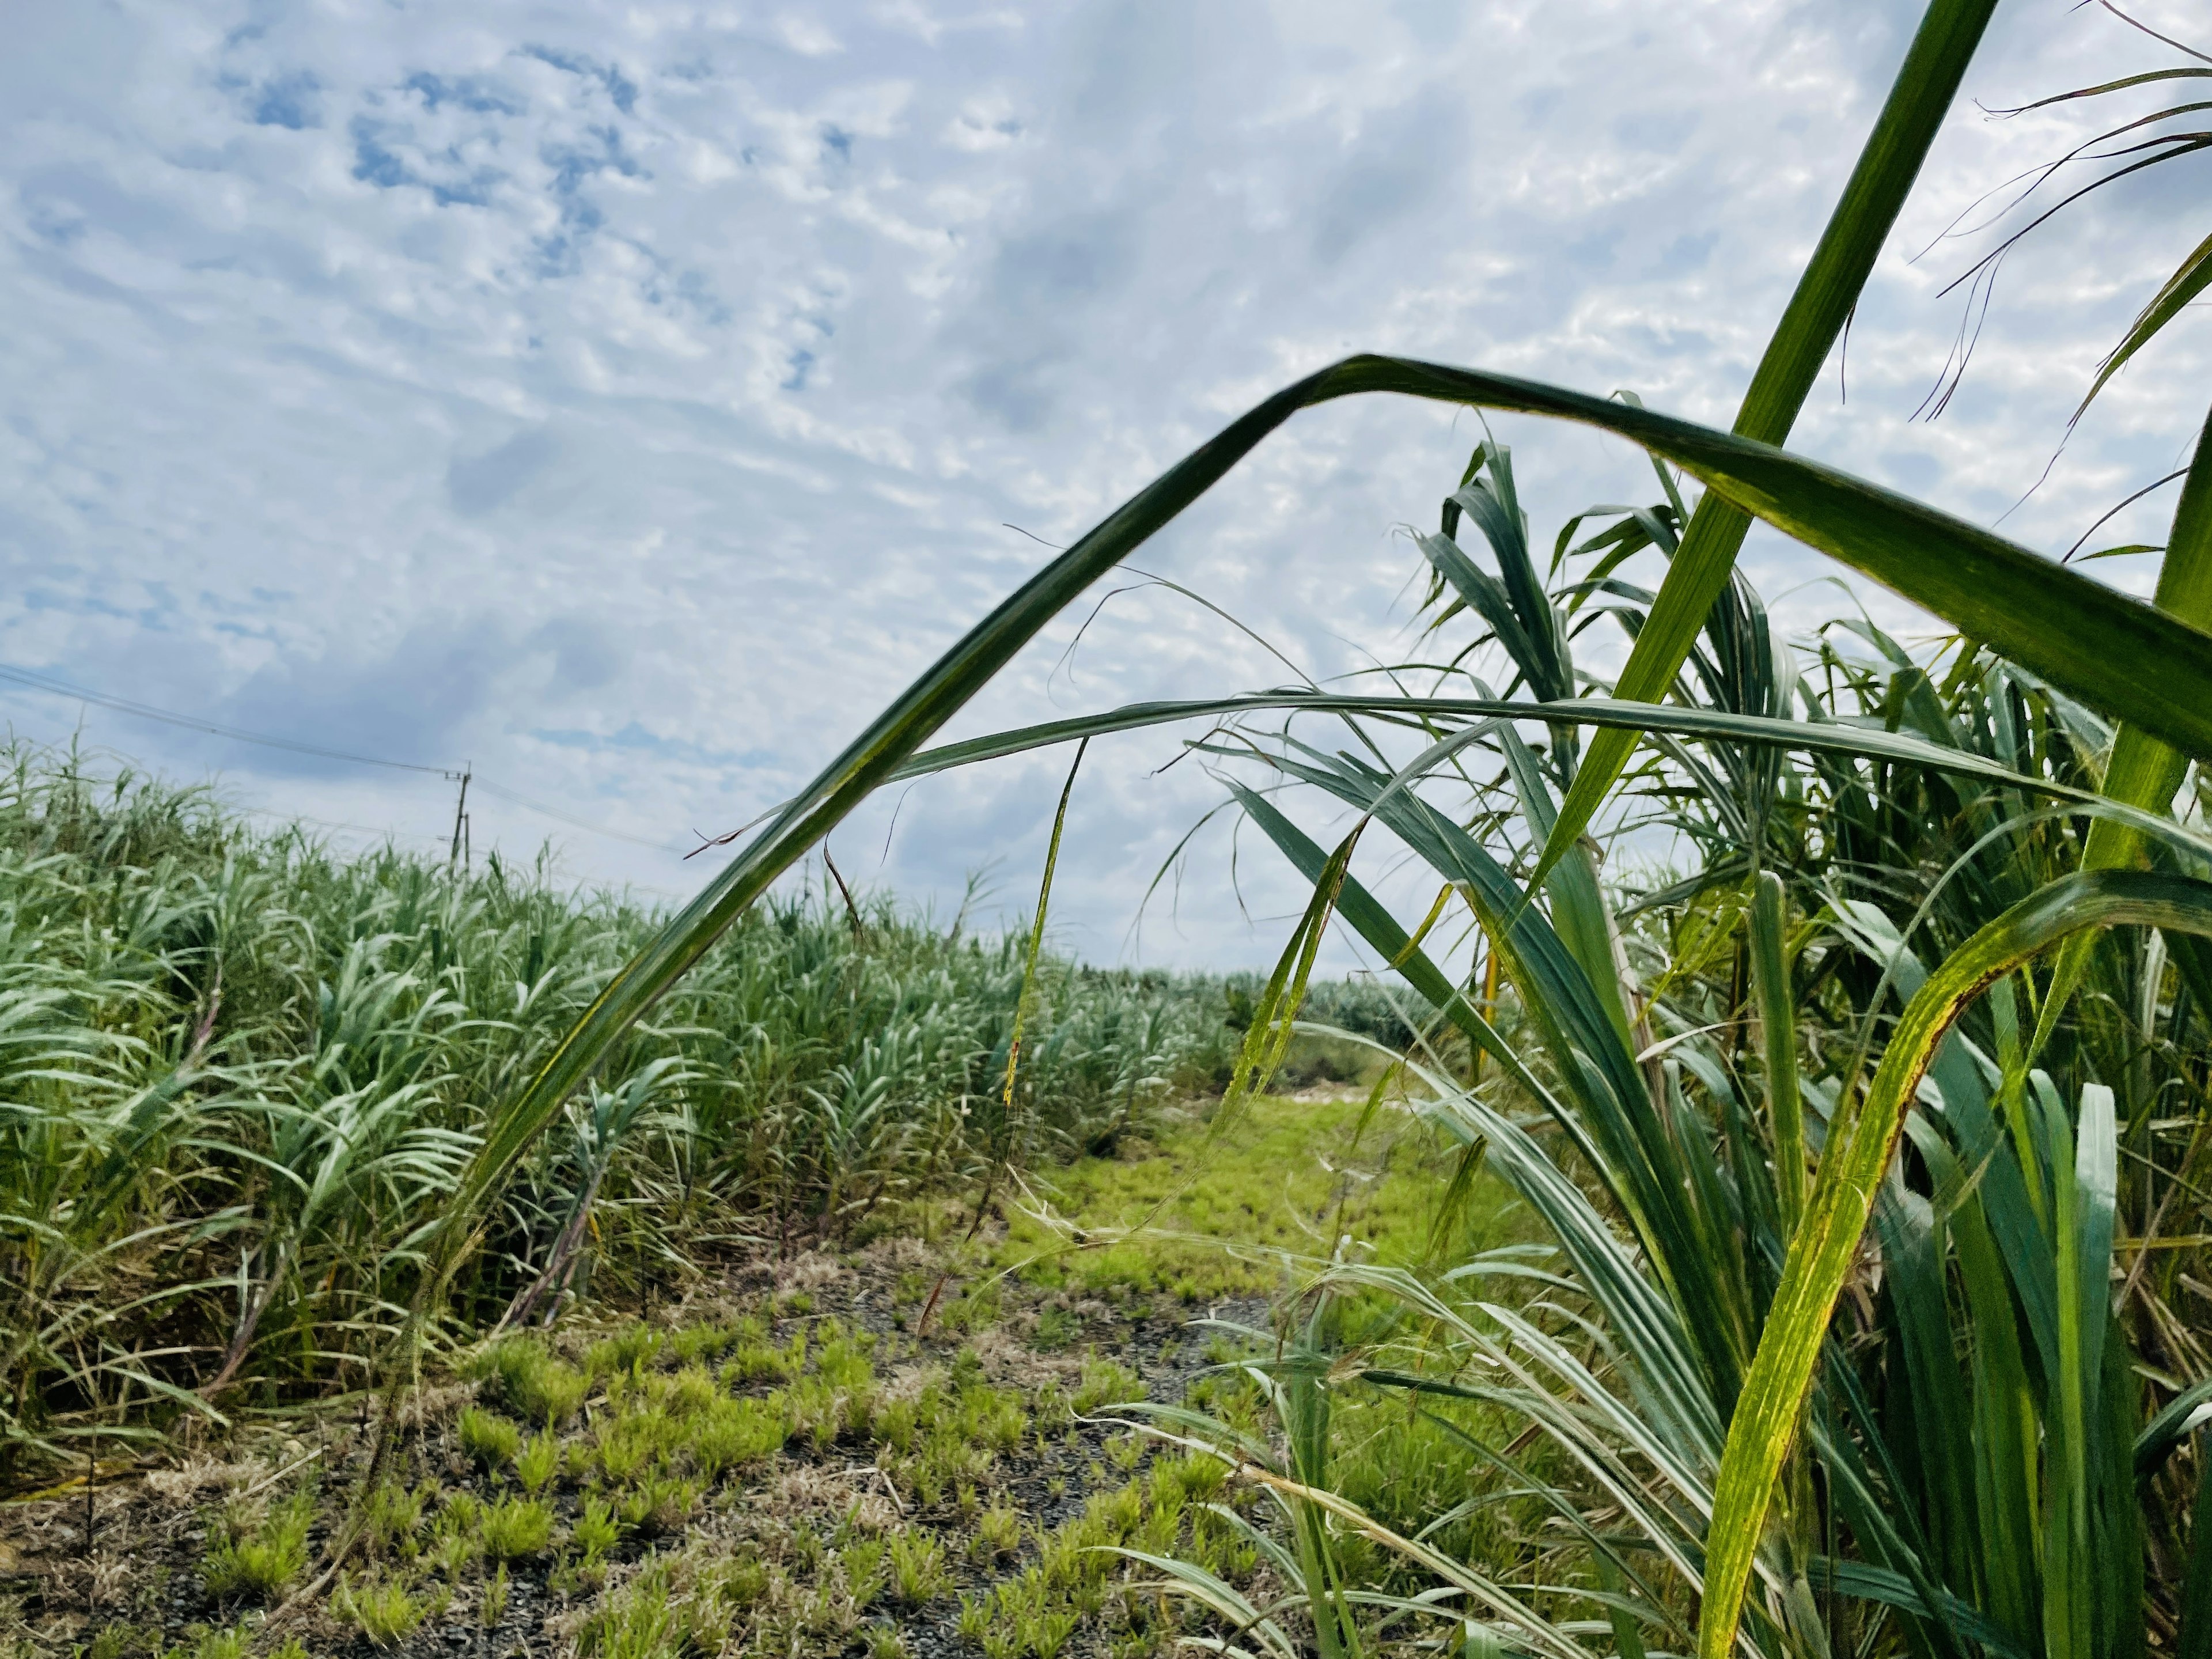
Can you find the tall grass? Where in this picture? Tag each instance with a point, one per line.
(1845, 1345)
(244, 1075)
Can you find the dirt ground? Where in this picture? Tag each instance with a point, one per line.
(142, 1582)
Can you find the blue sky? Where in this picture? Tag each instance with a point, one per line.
(631, 399)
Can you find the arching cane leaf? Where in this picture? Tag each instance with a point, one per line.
(1820, 1255)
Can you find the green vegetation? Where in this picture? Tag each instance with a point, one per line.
(261, 1560)
(382, 1610)
(1772, 1218)
(516, 1528)
(228, 1044)
(490, 1439)
(1230, 1210)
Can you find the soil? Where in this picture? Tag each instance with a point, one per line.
(150, 1522)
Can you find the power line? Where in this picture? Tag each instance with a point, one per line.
(385, 831)
(555, 812)
(52, 687)
(276, 815)
(214, 728)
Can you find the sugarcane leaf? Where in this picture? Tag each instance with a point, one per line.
(1820, 1255)
(1825, 295)
(2144, 771)
(2112, 651)
(2189, 280)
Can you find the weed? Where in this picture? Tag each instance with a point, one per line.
(596, 1530)
(1196, 1477)
(896, 1424)
(690, 1392)
(1157, 1535)
(977, 1310)
(391, 1518)
(230, 1644)
(919, 1567)
(490, 1439)
(1055, 1329)
(975, 1618)
(862, 1562)
(460, 1517)
(641, 1620)
(1118, 1513)
(735, 1432)
(662, 1504)
(537, 1462)
(517, 1528)
(1047, 1633)
(694, 1344)
(628, 1351)
(382, 1610)
(530, 1381)
(452, 1552)
(1105, 1382)
(262, 1561)
(754, 1359)
(634, 1441)
(998, 1533)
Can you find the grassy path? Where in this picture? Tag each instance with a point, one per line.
(780, 1462)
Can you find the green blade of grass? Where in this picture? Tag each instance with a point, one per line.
(2005, 1443)
(1820, 1255)
(1811, 737)
(2081, 1166)
(2111, 651)
(1818, 311)
(2144, 771)
(1778, 1031)
(2191, 279)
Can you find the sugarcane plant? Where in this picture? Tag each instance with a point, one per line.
(1835, 1134)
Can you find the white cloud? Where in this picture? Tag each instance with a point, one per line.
(630, 400)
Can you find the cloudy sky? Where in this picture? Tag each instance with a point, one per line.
(629, 399)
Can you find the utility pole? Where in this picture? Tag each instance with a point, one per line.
(460, 814)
